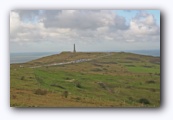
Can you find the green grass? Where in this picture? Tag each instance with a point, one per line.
(141, 69)
(119, 80)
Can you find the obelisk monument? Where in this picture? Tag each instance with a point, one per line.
(74, 51)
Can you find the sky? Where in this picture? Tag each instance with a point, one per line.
(89, 30)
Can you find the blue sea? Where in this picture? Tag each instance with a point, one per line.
(155, 53)
(26, 57)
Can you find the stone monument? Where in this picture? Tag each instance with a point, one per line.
(74, 51)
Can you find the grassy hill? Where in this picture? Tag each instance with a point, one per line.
(86, 79)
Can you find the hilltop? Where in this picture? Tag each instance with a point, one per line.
(86, 79)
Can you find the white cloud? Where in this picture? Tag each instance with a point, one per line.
(82, 26)
(14, 21)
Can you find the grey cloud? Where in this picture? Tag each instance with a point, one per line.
(84, 26)
(27, 15)
(119, 24)
(83, 19)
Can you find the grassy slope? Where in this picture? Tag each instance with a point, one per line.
(118, 80)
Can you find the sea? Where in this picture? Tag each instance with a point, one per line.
(155, 53)
(26, 57)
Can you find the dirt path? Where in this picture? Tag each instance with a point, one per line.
(72, 62)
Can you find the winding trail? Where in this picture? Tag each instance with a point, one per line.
(72, 62)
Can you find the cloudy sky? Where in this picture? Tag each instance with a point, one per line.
(90, 30)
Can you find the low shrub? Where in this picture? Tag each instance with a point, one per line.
(65, 94)
(102, 85)
(22, 78)
(56, 85)
(67, 78)
(78, 84)
(40, 92)
(77, 99)
(144, 101)
(150, 82)
(96, 70)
